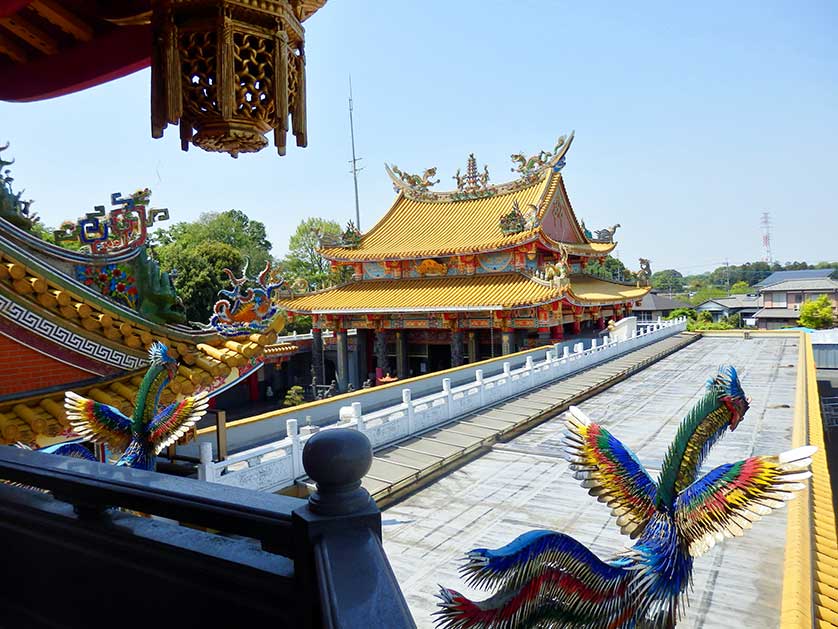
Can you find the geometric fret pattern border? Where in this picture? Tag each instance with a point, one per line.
(49, 330)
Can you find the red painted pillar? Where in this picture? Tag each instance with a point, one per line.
(253, 386)
(577, 326)
(557, 332)
(600, 324)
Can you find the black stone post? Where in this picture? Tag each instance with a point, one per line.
(381, 359)
(317, 357)
(342, 344)
(473, 347)
(341, 568)
(456, 348)
(337, 460)
(401, 354)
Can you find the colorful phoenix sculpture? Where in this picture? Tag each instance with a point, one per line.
(149, 429)
(548, 579)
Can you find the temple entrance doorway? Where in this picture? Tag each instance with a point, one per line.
(439, 357)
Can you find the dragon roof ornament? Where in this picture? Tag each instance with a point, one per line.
(474, 183)
(245, 309)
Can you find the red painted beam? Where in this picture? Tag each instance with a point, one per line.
(110, 56)
(10, 7)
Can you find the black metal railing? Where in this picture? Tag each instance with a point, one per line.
(107, 541)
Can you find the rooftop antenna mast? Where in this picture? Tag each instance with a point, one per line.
(354, 161)
(765, 222)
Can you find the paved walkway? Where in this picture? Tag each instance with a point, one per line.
(418, 461)
(524, 484)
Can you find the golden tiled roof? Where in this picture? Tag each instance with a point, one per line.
(422, 229)
(498, 291)
(587, 289)
(451, 293)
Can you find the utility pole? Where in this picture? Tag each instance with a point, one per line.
(765, 222)
(354, 161)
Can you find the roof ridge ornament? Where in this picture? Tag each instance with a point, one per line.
(516, 221)
(473, 184)
(529, 168)
(419, 185)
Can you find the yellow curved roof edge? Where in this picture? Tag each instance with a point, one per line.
(810, 568)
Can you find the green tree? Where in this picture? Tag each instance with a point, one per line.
(689, 313)
(668, 280)
(200, 275)
(304, 260)
(817, 314)
(232, 228)
(610, 269)
(740, 288)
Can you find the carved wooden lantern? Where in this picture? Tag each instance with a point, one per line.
(228, 71)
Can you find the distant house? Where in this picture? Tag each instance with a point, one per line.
(782, 300)
(721, 307)
(653, 306)
(785, 276)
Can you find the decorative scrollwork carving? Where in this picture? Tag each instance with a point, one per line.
(125, 227)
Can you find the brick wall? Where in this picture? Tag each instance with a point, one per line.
(23, 369)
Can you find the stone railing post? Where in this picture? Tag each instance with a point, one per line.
(337, 460)
(293, 432)
(565, 352)
(411, 417)
(358, 417)
(507, 374)
(449, 398)
(478, 377)
(342, 573)
(206, 471)
(530, 371)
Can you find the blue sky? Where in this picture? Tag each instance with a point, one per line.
(691, 120)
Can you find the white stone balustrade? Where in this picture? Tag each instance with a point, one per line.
(276, 465)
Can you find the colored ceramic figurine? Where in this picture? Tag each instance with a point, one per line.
(150, 428)
(245, 309)
(548, 579)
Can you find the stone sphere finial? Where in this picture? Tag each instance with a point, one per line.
(337, 459)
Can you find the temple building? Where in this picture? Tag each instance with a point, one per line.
(484, 270)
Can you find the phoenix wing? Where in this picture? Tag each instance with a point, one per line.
(729, 499)
(611, 472)
(172, 422)
(97, 422)
(542, 577)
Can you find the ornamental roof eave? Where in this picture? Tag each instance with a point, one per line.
(458, 293)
